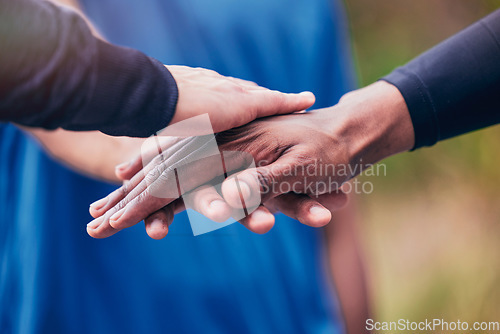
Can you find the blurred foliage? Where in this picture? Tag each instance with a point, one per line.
(431, 227)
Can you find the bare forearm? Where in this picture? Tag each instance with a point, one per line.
(373, 123)
(91, 153)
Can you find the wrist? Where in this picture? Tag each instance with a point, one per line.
(375, 123)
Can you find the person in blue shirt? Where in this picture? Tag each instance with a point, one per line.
(55, 279)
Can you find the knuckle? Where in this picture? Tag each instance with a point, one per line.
(153, 174)
(158, 163)
(123, 190)
(158, 159)
(302, 204)
(143, 197)
(305, 159)
(279, 100)
(166, 176)
(229, 86)
(207, 72)
(120, 205)
(266, 180)
(239, 89)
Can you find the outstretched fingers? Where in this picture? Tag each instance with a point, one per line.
(270, 102)
(311, 211)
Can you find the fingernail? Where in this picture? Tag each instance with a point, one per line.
(261, 215)
(122, 166)
(308, 94)
(217, 205)
(318, 211)
(95, 223)
(158, 224)
(157, 229)
(116, 216)
(99, 204)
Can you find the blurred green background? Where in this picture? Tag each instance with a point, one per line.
(431, 228)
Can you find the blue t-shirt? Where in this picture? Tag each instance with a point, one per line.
(54, 278)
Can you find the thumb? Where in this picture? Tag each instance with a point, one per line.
(270, 102)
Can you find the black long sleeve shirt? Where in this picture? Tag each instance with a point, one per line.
(55, 73)
(454, 87)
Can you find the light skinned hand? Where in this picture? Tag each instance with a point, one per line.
(230, 102)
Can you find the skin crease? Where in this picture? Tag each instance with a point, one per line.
(366, 126)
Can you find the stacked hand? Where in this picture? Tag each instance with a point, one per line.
(296, 157)
(229, 102)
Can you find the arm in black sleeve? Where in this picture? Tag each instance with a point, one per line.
(454, 88)
(55, 73)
